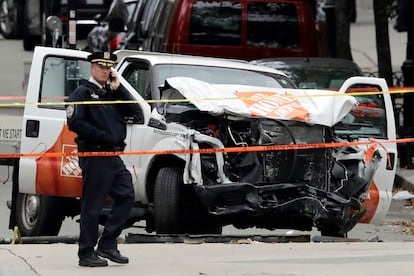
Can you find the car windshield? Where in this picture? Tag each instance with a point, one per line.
(316, 77)
(220, 75)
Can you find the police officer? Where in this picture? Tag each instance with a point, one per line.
(102, 127)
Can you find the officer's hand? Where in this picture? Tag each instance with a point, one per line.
(113, 80)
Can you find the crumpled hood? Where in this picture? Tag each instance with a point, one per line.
(321, 107)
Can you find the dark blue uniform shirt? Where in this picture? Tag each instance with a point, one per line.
(100, 124)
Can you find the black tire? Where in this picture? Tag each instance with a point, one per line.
(38, 215)
(341, 228)
(167, 195)
(177, 209)
(11, 12)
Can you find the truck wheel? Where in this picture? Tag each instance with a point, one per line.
(167, 194)
(38, 215)
(10, 19)
(177, 209)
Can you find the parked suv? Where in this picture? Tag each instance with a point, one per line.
(243, 29)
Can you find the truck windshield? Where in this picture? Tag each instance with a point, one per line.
(220, 75)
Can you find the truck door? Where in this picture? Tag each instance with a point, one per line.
(47, 180)
(373, 119)
(54, 74)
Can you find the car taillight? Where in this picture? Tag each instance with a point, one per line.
(114, 42)
(371, 104)
(368, 112)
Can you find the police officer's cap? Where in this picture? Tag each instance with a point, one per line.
(103, 58)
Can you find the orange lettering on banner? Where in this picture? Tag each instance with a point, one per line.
(60, 176)
(272, 105)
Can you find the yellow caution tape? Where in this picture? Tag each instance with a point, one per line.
(399, 90)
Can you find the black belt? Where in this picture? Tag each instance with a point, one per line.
(84, 147)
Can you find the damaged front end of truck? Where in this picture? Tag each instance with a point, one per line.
(254, 172)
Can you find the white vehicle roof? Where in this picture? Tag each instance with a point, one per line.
(165, 58)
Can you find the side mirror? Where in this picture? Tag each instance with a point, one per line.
(98, 18)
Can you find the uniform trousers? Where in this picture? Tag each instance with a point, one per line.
(103, 176)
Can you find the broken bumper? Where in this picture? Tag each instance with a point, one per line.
(285, 205)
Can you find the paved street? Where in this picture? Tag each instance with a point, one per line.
(321, 259)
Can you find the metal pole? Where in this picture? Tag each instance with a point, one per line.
(329, 9)
(406, 151)
(72, 29)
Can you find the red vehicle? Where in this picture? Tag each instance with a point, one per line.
(242, 29)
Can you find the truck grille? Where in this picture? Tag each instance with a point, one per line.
(306, 166)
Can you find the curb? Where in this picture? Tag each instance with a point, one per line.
(404, 179)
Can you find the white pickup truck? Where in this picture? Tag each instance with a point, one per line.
(219, 143)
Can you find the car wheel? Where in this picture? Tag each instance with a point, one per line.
(167, 194)
(341, 228)
(38, 215)
(10, 12)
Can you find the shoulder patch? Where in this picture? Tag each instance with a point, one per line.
(70, 109)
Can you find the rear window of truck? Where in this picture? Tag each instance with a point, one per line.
(271, 25)
(215, 23)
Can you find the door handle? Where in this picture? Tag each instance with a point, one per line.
(32, 128)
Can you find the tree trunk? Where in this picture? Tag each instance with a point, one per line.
(408, 67)
(382, 41)
(343, 48)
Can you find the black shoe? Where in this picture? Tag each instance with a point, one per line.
(93, 261)
(113, 255)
